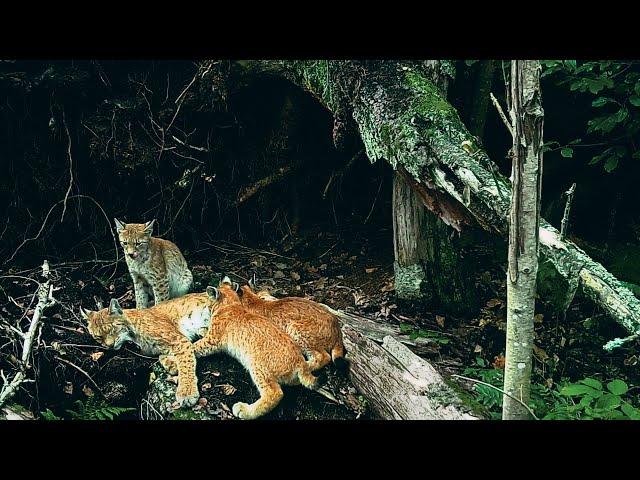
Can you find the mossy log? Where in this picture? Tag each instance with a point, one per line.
(403, 119)
(398, 384)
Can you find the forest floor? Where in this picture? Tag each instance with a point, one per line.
(351, 270)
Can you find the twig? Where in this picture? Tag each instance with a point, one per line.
(66, 196)
(501, 391)
(374, 202)
(115, 242)
(81, 371)
(494, 100)
(340, 173)
(567, 210)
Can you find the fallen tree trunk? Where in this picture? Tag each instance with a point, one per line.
(403, 119)
(378, 331)
(398, 384)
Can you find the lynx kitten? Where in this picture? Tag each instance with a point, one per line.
(269, 354)
(156, 265)
(315, 329)
(163, 330)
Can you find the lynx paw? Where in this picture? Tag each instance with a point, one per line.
(240, 410)
(187, 399)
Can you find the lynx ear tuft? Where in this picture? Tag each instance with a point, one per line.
(226, 279)
(84, 313)
(114, 307)
(148, 227)
(235, 286)
(119, 225)
(213, 293)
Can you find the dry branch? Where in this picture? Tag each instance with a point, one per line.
(251, 190)
(45, 299)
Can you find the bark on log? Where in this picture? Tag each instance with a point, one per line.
(398, 384)
(378, 331)
(403, 119)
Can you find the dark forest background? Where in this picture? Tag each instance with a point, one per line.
(183, 143)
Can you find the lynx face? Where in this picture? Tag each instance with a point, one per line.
(134, 238)
(108, 326)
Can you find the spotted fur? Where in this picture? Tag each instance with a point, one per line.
(156, 265)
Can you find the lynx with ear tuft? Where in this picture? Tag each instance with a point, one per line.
(270, 356)
(156, 266)
(314, 329)
(166, 330)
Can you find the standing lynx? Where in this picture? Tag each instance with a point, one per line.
(166, 330)
(269, 354)
(156, 265)
(315, 329)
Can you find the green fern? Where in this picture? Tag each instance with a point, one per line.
(95, 409)
(49, 415)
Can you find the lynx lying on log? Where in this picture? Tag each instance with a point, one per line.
(270, 355)
(156, 265)
(166, 330)
(314, 329)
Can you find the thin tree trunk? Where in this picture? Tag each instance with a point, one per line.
(527, 118)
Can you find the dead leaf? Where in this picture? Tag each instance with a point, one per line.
(228, 389)
(202, 401)
(278, 274)
(96, 356)
(224, 407)
(206, 386)
(494, 302)
(540, 353)
(312, 269)
(549, 382)
(152, 378)
(498, 362)
(68, 388)
(87, 391)
(478, 349)
(215, 374)
(172, 379)
(538, 318)
(440, 321)
(323, 267)
(388, 287)
(370, 270)
(632, 360)
(295, 276)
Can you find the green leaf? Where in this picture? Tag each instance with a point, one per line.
(608, 402)
(601, 101)
(405, 328)
(617, 387)
(592, 382)
(576, 389)
(630, 411)
(567, 152)
(480, 361)
(413, 335)
(634, 100)
(611, 164)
